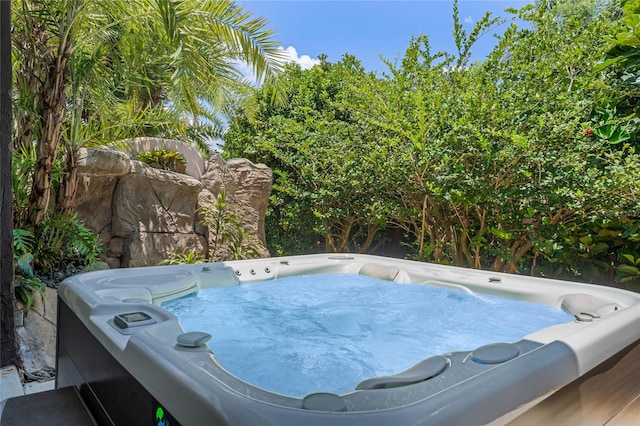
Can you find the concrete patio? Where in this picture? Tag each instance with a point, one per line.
(10, 384)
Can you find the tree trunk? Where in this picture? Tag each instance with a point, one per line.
(329, 244)
(50, 77)
(345, 234)
(30, 78)
(372, 231)
(68, 182)
(47, 148)
(423, 226)
(9, 353)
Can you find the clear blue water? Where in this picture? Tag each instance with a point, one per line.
(326, 333)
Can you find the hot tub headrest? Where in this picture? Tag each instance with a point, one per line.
(383, 272)
(586, 307)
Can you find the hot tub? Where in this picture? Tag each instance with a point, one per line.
(134, 364)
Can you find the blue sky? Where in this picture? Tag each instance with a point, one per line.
(369, 28)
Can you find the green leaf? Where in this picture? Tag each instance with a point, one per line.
(619, 135)
(587, 240)
(24, 264)
(625, 271)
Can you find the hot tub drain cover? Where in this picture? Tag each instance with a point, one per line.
(495, 353)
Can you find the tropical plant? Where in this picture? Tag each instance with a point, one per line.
(162, 158)
(624, 51)
(242, 244)
(188, 258)
(606, 124)
(228, 238)
(22, 164)
(27, 284)
(64, 239)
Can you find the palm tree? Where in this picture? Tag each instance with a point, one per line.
(43, 40)
(91, 71)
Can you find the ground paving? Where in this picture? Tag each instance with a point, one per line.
(10, 384)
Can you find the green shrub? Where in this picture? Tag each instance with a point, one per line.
(231, 241)
(63, 239)
(27, 284)
(189, 258)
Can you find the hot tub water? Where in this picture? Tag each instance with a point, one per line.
(326, 333)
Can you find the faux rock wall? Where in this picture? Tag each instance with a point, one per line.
(247, 200)
(37, 336)
(143, 215)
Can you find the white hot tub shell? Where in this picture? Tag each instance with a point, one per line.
(150, 370)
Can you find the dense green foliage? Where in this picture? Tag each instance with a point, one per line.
(61, 242)
(63, 239)
(623, 59)
(94, 72)
(524, 162)
(329, 166)
(27, 284)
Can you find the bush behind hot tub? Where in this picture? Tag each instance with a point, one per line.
(526, 161)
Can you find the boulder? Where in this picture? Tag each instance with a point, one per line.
(98, 172)
(102, 162)
(154, 200)
(143, 215)
(149, 248)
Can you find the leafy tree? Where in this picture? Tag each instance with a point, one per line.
(618, 125)
(330, 169)
(498, 166)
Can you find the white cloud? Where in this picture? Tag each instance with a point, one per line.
(305, 61)
(468, 20)
(245, 70)
(291, 55)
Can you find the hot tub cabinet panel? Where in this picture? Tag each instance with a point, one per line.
(130, 369)
(112, 395)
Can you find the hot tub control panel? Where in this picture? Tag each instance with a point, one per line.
(133, 319)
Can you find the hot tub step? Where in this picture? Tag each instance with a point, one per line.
(58, 407)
